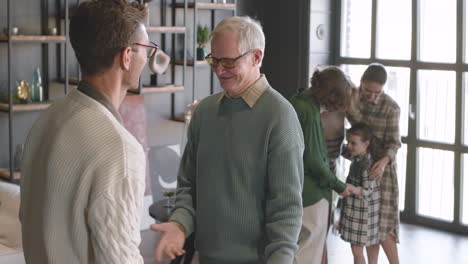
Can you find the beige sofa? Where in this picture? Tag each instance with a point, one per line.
(10, 227)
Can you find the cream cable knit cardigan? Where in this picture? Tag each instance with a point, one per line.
(82, 186)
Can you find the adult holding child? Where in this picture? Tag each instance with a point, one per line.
(330, 91)
(378, 110)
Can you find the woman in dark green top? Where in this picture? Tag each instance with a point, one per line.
(330, 91)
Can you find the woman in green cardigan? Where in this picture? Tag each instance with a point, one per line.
(330, 91)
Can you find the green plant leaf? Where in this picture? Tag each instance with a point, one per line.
(203, 35)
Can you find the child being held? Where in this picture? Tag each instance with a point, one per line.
(359, 222)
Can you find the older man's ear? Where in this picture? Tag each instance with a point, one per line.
(258, 56)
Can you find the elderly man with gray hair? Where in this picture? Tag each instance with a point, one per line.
(241, 174)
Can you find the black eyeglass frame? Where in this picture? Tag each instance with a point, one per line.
(149, 53)
(213, 61)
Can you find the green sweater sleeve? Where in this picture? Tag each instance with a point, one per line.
(315, 152)
(283, 210)
(184, 210)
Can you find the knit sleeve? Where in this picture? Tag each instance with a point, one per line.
(283, 210)
(115, 211)
(184, 210)
(314, 161)
(114, 222)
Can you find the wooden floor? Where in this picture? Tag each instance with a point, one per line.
(417, 245)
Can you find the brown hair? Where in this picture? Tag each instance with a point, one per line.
(363, 131)
(375, 72)
(100, 29)
(332, 88)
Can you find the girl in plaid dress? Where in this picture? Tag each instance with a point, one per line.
(359, 223)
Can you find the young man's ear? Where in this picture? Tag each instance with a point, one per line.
(125, 58)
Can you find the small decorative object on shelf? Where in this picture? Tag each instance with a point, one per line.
(14, 31)
(168, 194)
(36, 89)
(159, 62)
(53, 31)
(203, 34)
(23, 91)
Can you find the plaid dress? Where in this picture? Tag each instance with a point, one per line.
(359, 223)
(383, 116)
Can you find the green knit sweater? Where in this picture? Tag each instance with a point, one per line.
(318, 178)
(240, 180)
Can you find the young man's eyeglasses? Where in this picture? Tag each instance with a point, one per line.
(150, 49)
(227, 63)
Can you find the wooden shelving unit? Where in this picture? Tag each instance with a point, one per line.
(191, 63)
(25, 38)
(166, 29)
(25, 107)
(5, 174)
(159, 89)
(214, 11)
(50, 44)
(208, 6)
(178, 118)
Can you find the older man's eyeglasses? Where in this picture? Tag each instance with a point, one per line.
(150, 49)
(227, 63)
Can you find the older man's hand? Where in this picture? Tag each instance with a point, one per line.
(171, 242)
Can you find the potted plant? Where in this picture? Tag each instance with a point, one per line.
(203, 35)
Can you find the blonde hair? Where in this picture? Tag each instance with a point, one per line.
(249, 30)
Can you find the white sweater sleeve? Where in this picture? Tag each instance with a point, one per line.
(114, 222)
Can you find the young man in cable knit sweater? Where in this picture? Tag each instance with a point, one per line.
(83, 173)
(240, 178)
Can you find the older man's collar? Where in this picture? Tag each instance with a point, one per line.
(253, 93)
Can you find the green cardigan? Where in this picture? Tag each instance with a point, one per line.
(318, 178)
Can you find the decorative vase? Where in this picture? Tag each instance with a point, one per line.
(36, 87)
(201, 54)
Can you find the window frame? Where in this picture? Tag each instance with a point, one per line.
(409, 214)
